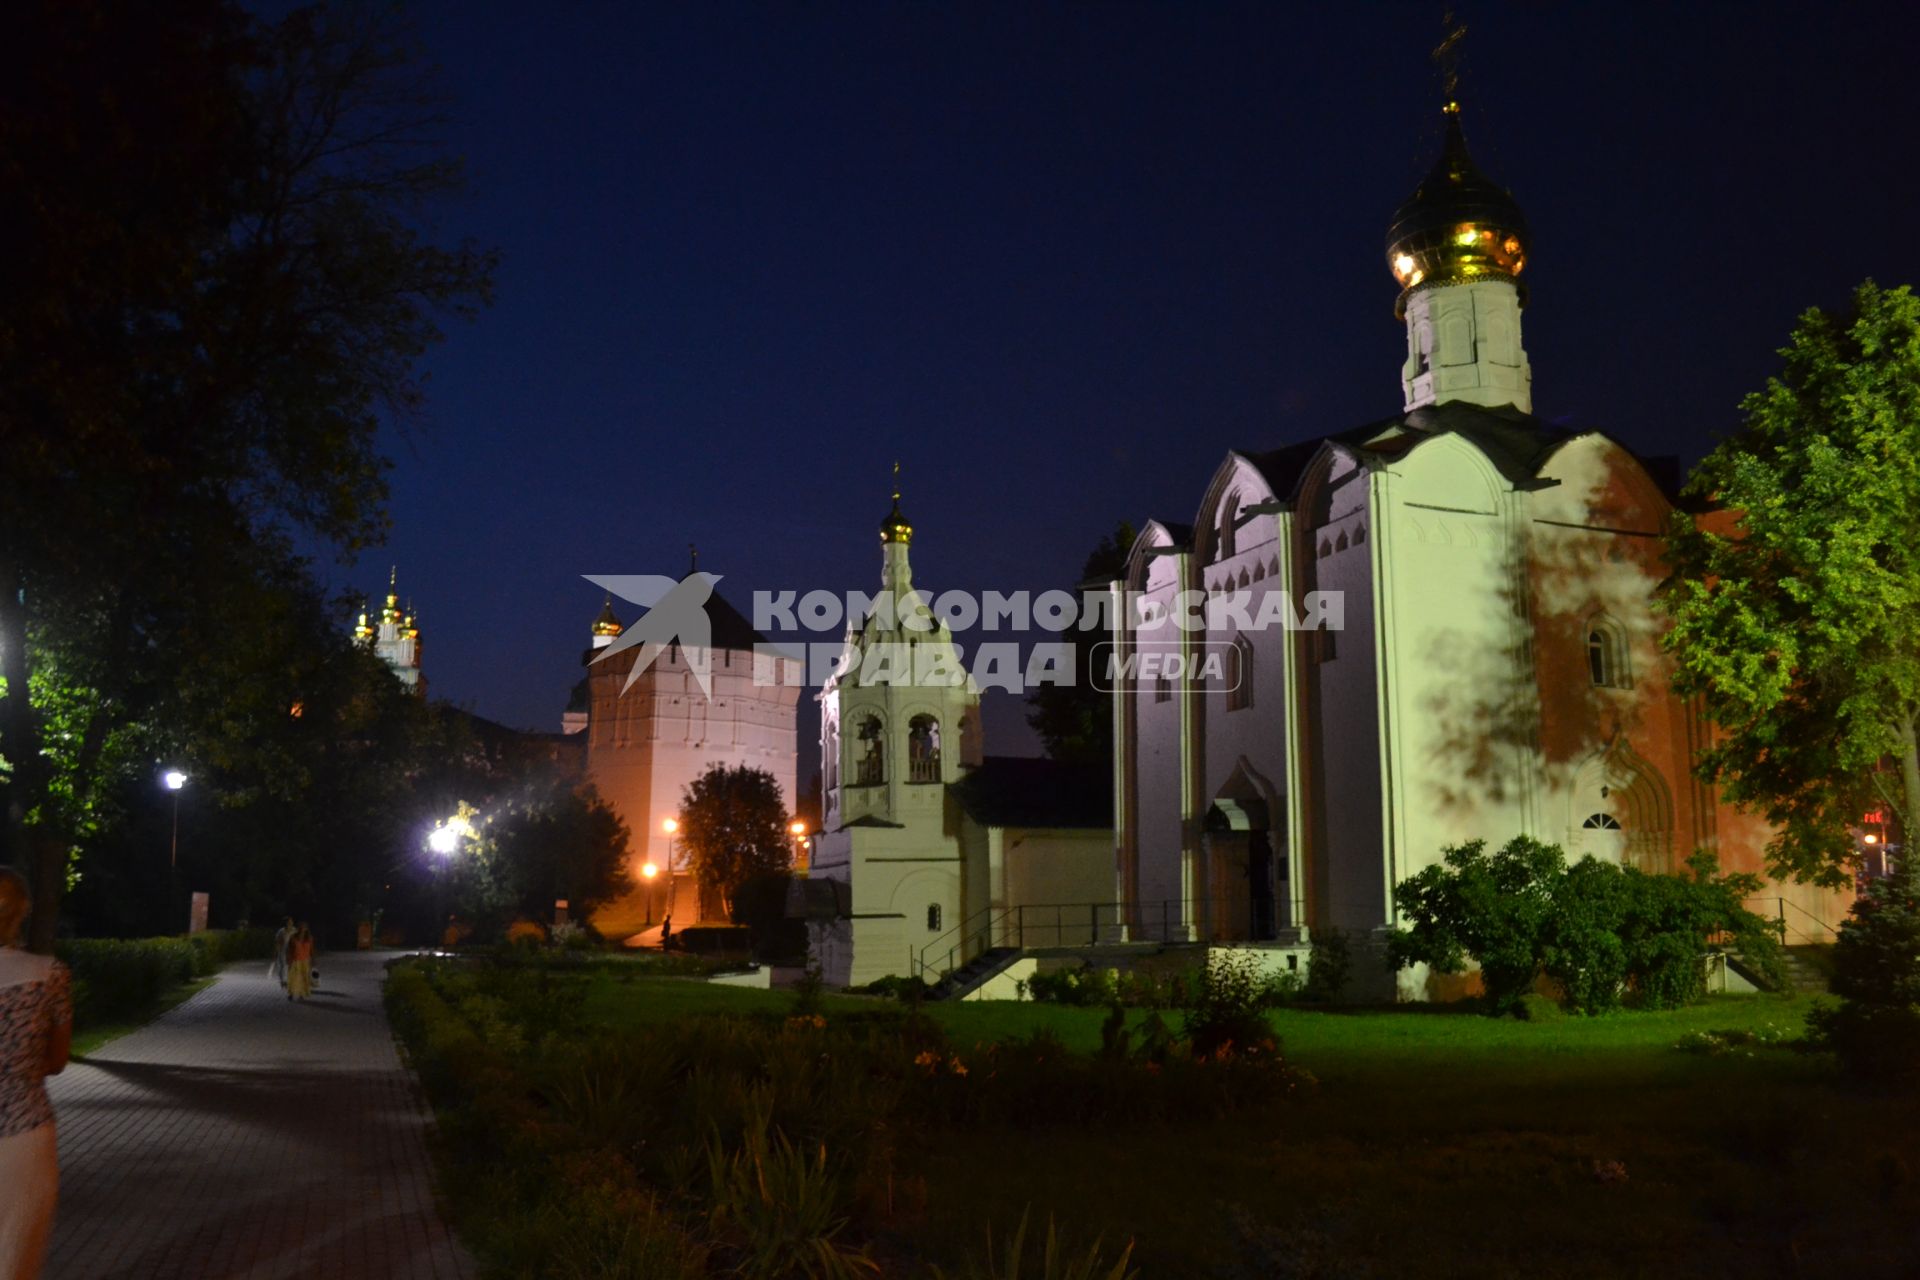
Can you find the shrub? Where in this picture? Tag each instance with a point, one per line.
(1225, 1011)
(1493, 907)
(1055, 1260)
(1876, 971)
(1329, 966)
(1597, 929)
(1538, 1008)
(525, 933)
(904, 987)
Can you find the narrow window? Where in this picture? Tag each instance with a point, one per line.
(1240, 675)
(933, 917)
(923, 749)
(1162, 689)
(873, 753)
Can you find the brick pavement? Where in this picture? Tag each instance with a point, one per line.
(241, 1135)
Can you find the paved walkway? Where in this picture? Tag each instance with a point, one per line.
(241, 1135)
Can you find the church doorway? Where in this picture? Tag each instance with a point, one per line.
(1620, 811)
(1241, 898)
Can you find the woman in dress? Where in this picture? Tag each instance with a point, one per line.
(300, 964)
(36, 1027)
(278, 970)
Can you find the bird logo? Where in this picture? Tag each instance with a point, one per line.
(676, 613)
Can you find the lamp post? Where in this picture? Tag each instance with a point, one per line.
(444, 841)
(798, 830)
(672, 827)
(174, 780)
(647, 873)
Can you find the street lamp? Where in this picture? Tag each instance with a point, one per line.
(671, 826)
(647, 873)
(175, 780)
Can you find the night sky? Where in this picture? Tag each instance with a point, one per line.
(1057, 260)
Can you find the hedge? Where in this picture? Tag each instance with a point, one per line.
(118, 979)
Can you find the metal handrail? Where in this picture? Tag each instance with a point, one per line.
(1780, 905)
(1038, 924)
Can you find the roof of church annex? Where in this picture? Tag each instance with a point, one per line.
(1034, 792)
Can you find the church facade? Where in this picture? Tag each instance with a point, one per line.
(1498, 670)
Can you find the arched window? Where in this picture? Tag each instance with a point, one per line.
(933, 917)
(1606, 654)
(923, 749)
(872, 769)
(1240, 675)
(1601, 822)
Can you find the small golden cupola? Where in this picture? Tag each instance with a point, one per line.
(1458, 227)
(895, 527)
(607, 627)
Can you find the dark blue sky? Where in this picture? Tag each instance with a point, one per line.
(1058, 259)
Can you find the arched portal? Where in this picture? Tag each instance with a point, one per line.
(1621, 810)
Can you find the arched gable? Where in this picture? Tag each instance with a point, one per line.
(1154, 536)
(1236, 480)
(1599, 482)
(1448, 470)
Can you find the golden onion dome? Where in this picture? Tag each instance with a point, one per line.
(1457, 227)
(895, 527)
(608, 623)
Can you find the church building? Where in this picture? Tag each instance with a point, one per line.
(1498, 671)
(395, 638)
(930, 851)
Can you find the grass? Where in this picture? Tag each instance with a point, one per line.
(89, 1039)
(1443, 1143)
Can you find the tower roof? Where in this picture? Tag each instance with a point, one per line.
(1458, 226)
(608, 623)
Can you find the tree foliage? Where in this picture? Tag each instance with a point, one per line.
(543, 841)
(1876, 972)
(1599, 930)
(1795, 625)
(733, 826)
(1075, 721)
(234, 276)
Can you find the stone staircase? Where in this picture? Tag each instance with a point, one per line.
(975, 973)
(1804, 971)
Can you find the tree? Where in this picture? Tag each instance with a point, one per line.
(233, 281)
(733, 825)
(1793, 610)
(1075, 721)
(541, 842)
(1876, 972)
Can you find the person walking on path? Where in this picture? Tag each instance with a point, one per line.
(36, 1030)
(278, 970)
(300, 964)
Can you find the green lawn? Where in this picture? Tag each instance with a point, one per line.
(1442, 1143)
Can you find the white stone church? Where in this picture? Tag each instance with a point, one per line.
(1499, 669)
(1498, 672)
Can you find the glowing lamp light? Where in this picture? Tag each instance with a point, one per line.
(443, 840)
(670, 825)
(649, 871)
(797, 828)
(174, 779)
(1870, 838)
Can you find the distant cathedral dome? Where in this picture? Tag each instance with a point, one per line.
(1457, 227)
